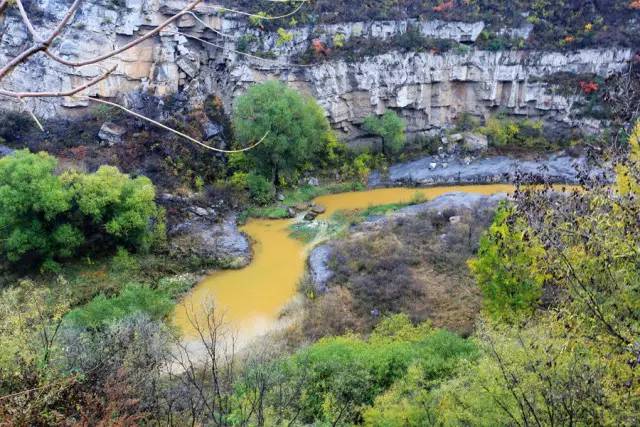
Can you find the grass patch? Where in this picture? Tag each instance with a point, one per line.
(346, 217)
(268, 212)
(304, 232)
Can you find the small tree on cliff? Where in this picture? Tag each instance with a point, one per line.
(391, 128)
(296, 127)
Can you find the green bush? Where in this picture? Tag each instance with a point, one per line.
(294, 127)
(262, 191)
(338, 377)
(48, 217)
(102, 310)
(507, 132)
(506, 270)
(391, 128)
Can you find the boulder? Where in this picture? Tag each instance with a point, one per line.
(456, 137)
(319, 267)
(313, 181)
(220, 242)
(475, 142)
(212, 129)
(318, 209)
(280, 197)
(310, 216)
(111, 133)
(302, 206)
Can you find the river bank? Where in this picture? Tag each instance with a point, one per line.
(434, 170)
(254, 296)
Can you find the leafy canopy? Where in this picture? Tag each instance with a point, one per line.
(45, 216)
(297, 131)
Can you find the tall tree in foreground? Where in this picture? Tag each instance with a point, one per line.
(575, 359)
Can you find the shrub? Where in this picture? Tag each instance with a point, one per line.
(102, 311)
(507, 132)
(338, 377)
(262, 191)
(391, 128)
(47, 217)
(506, 271)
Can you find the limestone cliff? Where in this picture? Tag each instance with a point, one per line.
(428, 88)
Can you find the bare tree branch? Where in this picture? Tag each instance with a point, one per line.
(202, 144)
(42, 44)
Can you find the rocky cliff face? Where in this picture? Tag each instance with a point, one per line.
(429, 89)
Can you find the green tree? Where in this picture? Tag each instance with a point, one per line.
(391, 128)
(123, 206)
(506, 269)
(46, 217)
(297, 131)
(34, 203)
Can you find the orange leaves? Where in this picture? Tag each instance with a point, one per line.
(588, 87)
(443, 7)
(320, 48)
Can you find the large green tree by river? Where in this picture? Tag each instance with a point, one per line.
(297, 132)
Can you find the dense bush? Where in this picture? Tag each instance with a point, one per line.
(294, 127)
(45, 216)
(515, 133)
(133, 299)
(505, 270)
(338, 377)
(391, 128)
(261, 190)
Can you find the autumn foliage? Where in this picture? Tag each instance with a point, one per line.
(443, 7)
(320, 48)
(588, 87)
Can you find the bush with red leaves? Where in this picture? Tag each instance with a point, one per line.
(320, 48)
(443, 7)
(588, 87)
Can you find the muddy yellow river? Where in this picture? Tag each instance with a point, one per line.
(253, 297)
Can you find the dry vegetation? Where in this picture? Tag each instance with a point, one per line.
(415, 265)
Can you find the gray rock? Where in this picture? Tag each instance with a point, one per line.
(319, 267)
(220, 242)
(200, 211)
(313, 181)
(310, 216)
(111, 134)
(291, 212)
(212, 129)
(280, 197)
(475, 142)
(455, 219)
(558, 168)
(318, 209)
(456, 137)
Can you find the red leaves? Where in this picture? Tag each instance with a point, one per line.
(320, 48)
(588, 87)
(443, 7)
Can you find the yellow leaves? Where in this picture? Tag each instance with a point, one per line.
(625, 184)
